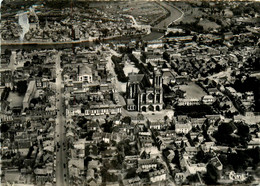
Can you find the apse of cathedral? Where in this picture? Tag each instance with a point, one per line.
(143, 94)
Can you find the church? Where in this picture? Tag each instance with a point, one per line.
(144, 95)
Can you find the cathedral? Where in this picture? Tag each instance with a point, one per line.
(144, 95)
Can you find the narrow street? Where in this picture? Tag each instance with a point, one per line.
(60, 134)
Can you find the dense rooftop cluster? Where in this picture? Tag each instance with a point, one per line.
(183, 109)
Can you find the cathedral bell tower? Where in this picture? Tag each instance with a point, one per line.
(157, 85)
(157, 79)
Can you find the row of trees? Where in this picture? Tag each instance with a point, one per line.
(5, 94)
(119, 68)
(140, 66)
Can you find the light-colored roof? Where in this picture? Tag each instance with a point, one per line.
(83, 70)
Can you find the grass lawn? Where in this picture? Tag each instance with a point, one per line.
(191, 15)
(128, 68)
(158, 115)
(15, 100)
(152, 116)
(193, 90)
(208, 24)
(121, 87)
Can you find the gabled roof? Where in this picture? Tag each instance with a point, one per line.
(133, 77)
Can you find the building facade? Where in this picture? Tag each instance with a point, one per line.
(142, 95)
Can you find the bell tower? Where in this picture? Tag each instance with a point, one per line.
(157, 78)
(157, 85)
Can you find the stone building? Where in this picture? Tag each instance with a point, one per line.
(142, 95)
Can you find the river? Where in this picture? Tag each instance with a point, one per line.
(175, 14)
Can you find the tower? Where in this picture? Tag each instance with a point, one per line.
(157, 83)
(157, 79)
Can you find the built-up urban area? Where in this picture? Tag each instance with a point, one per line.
(130, 93)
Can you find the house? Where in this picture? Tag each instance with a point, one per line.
(147, 164)
(169, 154)
(158, 175)
(179, 177)
(207, 146)
(190, 167)
(78, 163)
(157, 125)
(253, 143)
(188, 102)
(23, 147)
(211, 129)
(13, 176)
(191, 150)
(213, 118)
(168, 76)
(106, 137)
(182, 79)
(216, 163)
(136, 181)
(131, 161)
(208, 99)
(93, 126)
(182, 128)
(102, 109)
(85, 74)
(213, 91)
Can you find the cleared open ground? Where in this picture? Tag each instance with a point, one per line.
(193, 90)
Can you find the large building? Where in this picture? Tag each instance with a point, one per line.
(142, 95)
(29, 94)
(85, 74)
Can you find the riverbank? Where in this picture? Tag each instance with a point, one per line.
(175, 14)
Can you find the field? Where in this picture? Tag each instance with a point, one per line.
(208, 24)
(144, 12)
(190, 13)
(193, 90)
(128, 68)
(15, 100)
(152, 116)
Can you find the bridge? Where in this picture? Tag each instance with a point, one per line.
(160, 30)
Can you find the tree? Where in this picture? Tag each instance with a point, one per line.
(242, 130)
(102, 146)
(211, 175)
(82, 121)
(4, 128)
(166, 56)
(108, 126)
(194, 38)
(34, 101)
(131, 173)
(127, 120)
(225, 129)
(5, 93)
(26, 64)
(21, 87)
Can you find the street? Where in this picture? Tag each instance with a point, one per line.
(60, 132)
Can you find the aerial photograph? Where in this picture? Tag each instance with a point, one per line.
(129, 93)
